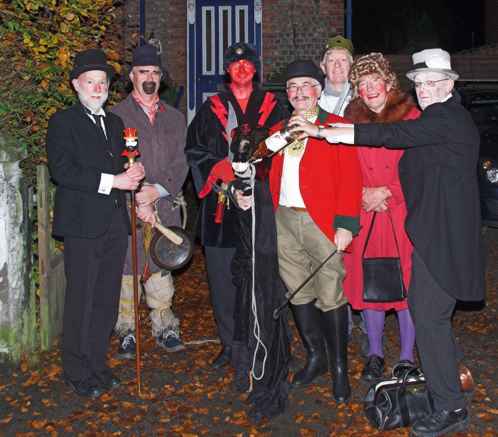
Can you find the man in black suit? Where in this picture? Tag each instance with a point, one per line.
(84, 155)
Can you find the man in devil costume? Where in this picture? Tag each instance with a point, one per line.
(209, 155)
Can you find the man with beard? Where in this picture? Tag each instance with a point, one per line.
(161, 139)
(84, 155)
(209, 136)
(316, 192)
(439, 181)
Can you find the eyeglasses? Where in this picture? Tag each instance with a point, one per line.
(304, 87)
(428, 83)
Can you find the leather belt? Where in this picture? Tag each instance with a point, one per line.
(298, 209)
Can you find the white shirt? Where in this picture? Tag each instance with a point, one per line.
(106, 179)
(290, 193)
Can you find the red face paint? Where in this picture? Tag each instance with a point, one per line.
(241, 72)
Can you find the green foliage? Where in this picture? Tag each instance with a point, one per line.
(38, 39)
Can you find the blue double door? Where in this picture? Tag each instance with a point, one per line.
(213, 26)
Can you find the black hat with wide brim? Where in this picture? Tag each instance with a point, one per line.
(90, 60)
(304, 68)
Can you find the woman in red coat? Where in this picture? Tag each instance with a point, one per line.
(379, 99)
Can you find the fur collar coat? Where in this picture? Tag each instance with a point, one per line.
(398, 106)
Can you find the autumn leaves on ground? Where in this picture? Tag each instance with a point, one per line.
(182, 396)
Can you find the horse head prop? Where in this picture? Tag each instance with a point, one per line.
(245, 142)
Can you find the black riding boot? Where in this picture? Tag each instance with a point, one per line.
(307, 318)
(335, 330)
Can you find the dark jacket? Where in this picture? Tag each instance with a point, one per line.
(78, 153)
(207, 145)
(438, 174)
(161, 152)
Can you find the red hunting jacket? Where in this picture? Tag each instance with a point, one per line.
(330, 181)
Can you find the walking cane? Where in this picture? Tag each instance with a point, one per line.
(276, 311)
(131, 152)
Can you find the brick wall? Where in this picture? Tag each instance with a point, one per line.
(167, 20)
(291, 29)
(295, 29)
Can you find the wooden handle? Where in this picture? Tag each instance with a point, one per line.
(169, 234)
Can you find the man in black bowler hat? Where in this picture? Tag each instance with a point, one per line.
(316, 193)
(84, 155)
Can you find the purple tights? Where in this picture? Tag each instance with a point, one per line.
(375, 328)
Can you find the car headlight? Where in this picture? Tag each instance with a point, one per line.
(487, 164)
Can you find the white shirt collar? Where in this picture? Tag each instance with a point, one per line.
(448, 97)
(92, 112)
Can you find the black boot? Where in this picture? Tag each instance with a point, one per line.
(335, 330)
(307, 318)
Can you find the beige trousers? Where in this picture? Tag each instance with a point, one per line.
(159, 292)
(302, 247)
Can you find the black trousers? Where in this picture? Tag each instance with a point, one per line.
(431, 309)
(93, 267)
(222, 290)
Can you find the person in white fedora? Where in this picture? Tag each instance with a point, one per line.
(439, 181)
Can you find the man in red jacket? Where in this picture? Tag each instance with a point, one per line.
(316, 191)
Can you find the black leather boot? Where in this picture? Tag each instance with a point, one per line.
(307, 318)
(335, 331)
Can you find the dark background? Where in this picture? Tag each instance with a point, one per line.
(405, 26)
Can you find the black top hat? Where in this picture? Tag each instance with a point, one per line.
(89, 60)
(146, 55)
(239, 51)
(304, 68)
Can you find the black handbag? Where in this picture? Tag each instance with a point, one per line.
(382, 277)
(398, 401)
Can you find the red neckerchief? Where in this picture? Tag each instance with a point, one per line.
(150, 109)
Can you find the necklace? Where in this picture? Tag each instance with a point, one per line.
(296, 148)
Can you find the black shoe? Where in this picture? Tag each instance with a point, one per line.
(403, 366)
(223, 358)
(107, 380)
(374, 368)
(170, 340)
(87, 388)
(335, 327)
(307, 318)
(127, 346)
(440, 423)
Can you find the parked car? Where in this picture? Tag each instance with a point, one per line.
(482, 102)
